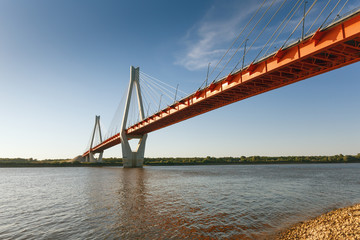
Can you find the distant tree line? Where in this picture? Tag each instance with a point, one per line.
(23, 162)
(30, 162)
(253, 160)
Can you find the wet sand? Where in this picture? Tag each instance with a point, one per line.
(343, 223)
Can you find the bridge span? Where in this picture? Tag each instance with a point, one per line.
(327, 49)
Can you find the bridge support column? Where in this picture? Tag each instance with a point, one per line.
(132, 159)
(90, 157)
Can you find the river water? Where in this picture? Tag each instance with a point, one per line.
(177, 202)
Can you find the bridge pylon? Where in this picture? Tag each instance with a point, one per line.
(133, 159)
(90, 157)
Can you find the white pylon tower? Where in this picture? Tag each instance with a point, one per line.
(133, 159)
(90, 157)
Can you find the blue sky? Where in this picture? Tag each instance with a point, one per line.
(63, 62)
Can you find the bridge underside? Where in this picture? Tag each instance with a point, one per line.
(326, 50)
(335, 47)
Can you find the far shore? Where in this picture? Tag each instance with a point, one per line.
(181, 161)
(343, 223)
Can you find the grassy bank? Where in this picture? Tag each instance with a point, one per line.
(21, 162)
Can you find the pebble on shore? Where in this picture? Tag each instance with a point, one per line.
(343, 223)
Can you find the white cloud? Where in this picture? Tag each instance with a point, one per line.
(207, 40)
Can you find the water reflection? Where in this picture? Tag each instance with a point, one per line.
(146, 213)
(133, 213)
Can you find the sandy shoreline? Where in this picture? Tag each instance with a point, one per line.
(343, 223)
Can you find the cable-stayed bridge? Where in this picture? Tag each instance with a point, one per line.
(334, 43)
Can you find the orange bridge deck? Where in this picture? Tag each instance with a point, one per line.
(336, 46)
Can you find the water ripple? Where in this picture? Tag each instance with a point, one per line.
(210, 202)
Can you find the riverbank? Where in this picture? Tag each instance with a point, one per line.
(343, 223)
(251, 160)
(180, 161)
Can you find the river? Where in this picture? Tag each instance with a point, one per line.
(170, 202)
